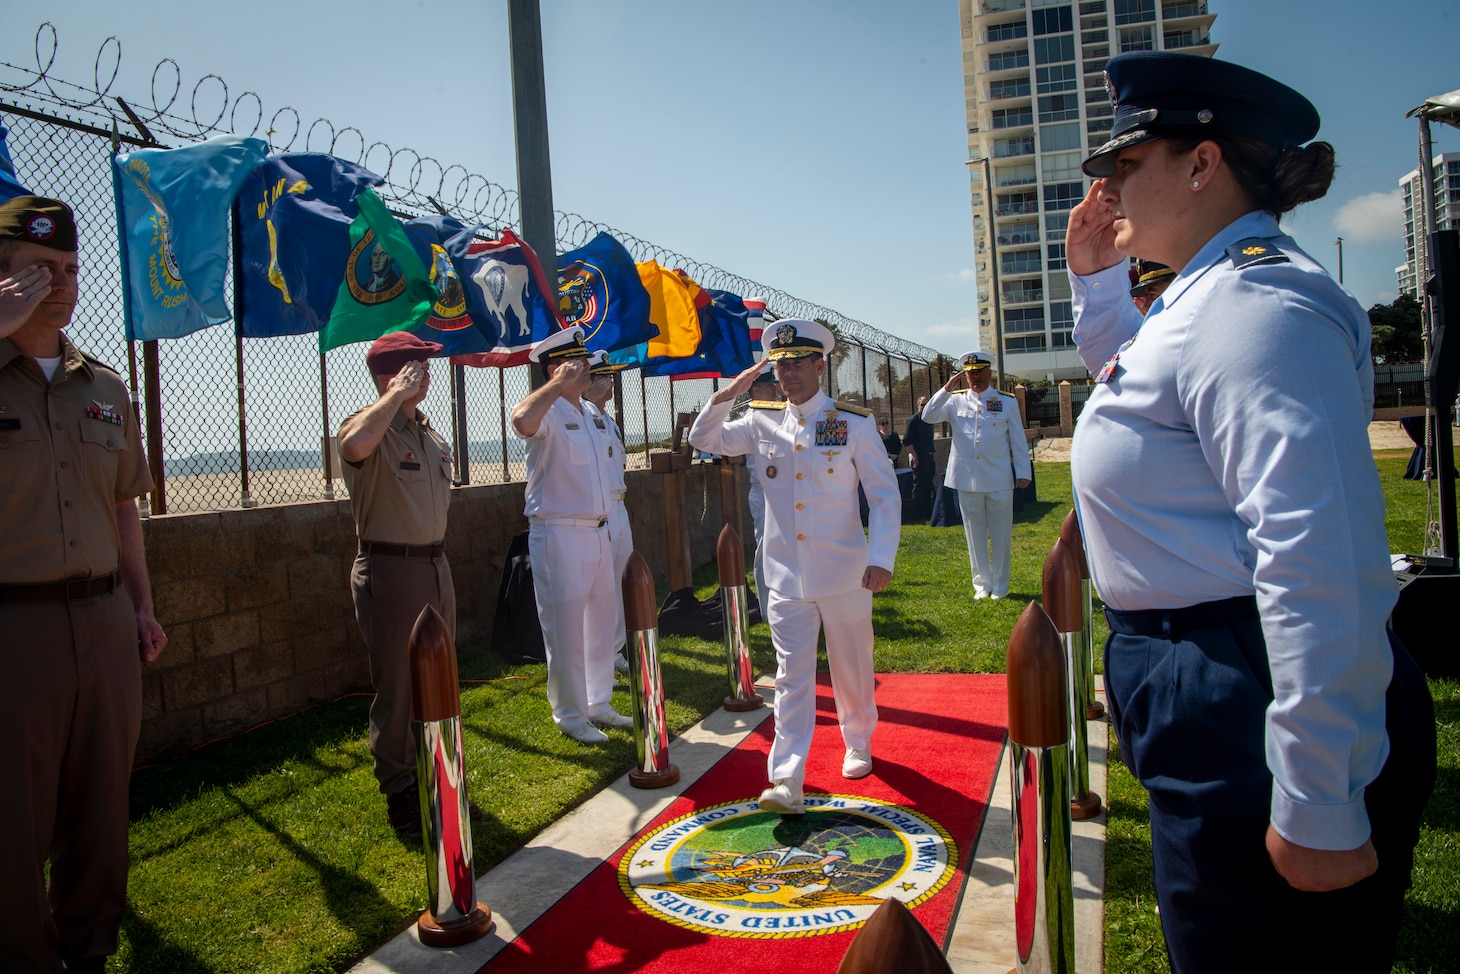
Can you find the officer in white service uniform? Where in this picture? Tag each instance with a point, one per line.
(572, 472)
(621, 537)
(989, 458)
(820, 569)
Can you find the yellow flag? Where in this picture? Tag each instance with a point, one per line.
(671, 310)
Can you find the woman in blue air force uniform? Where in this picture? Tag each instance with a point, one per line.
(1234, 524)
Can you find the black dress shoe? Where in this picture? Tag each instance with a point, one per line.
(86, 965)
(403, 812)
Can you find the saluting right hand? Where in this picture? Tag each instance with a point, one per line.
(407, 382)
(1090, 236)
(573, 376)
(959, 378)
(741, 384)
(19, 295)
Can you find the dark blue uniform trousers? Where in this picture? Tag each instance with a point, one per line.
(1188, 692)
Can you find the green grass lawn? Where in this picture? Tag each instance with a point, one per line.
(270, 852)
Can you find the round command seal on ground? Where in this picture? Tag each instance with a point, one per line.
(736, 871)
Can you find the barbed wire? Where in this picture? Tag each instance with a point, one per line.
(412, 180)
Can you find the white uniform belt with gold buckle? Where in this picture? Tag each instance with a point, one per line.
(582, 522)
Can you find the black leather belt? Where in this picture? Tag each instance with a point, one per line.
(1172, 622)
(434, 550)
(70, 590)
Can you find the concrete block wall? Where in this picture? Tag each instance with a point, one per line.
(256, 603)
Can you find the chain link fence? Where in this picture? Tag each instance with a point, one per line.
(235, 422)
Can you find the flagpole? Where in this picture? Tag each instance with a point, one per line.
(502, 396)
(644, 404)
(144, 508)
(463, 442)
(246, 500)
(529, 110)
(324, 406)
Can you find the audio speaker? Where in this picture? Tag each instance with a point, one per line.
(1425, 619)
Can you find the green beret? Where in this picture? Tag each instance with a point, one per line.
(38, 220)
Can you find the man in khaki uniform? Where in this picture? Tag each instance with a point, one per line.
(398, 471)
(75, 608)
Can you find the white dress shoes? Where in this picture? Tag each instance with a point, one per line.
(784, 797)
(586, 734)
(857, 764)
(620, 663)
(612, 718)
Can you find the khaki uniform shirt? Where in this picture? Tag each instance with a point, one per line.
(70, 452)
(400, 492)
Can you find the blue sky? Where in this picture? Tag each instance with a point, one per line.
(813, 145)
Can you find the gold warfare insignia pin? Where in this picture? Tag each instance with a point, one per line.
(1254, 251)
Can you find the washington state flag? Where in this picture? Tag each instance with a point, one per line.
(386, 287)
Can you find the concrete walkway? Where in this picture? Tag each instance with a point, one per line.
(528, 883)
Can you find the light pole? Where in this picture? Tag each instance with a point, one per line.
(988, 198)
(1339, 242)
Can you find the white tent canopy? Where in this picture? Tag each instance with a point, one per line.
(1441, 108)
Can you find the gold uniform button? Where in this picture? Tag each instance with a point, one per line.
(799, 447)
(799, 537)
(801, 421)
(799, 506)
(800, 476)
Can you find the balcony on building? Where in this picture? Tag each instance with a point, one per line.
(1018, 233)
(1016, 59)
(1090, 9)
(1012, 148)
(1185, 40)
(990, 7)
(1022, 295)
(1016, 204)
(1186, 10)
(1009, 89)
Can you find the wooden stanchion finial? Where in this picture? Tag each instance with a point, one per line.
(1038, 716)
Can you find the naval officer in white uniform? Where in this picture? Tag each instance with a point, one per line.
(820, 569)
(620, 537)
(572, 472)
(989, 458)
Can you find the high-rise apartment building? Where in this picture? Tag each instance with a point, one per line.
(1034, 93)
(1446, 216)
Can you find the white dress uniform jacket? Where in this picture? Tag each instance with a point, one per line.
(989, 449)
(809, 459)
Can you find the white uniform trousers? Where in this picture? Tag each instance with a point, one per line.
(988, 516)
(757, 520)
(573, 579)
(622, 540)
(847, 618)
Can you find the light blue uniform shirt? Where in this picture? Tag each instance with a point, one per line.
(1228, 455)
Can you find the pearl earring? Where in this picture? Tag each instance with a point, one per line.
(1195, 184)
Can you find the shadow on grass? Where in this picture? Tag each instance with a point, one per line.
(149, 950)
(1429, 940)
(890, 622)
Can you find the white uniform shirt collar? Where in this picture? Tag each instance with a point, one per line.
(817, 403)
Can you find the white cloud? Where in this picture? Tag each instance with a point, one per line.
(1374, 217)
(966, 275)
(965, 326)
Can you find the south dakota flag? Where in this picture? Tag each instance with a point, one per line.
(172, 219)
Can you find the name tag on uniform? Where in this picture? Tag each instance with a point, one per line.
(408, 465)
(831, 432)
(996, 405)
(572, 426)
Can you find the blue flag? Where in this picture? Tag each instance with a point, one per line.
(438, 241)
(295, 212)
(10, 185)
(507, 294)
(172, 218)
(599, 288)
(724, 350)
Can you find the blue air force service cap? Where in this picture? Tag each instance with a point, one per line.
(562, 344)
(796, 338)
(1158, 93)
(973, 361)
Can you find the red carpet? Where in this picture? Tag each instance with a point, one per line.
(714, 885)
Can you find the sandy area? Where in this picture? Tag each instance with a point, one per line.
(1385, 435)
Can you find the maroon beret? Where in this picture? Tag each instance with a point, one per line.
(389, 353)
(38, 220)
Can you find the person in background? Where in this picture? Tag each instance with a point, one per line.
(1234, 525)
(891, 442)
(1149, 281)
(75, 607)
(988, 460)
(397, 469)
(573, 469)
(599, 391)
(821, 570)
(919, 441)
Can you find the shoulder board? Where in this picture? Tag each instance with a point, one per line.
(1255, 250)
(847, 407)
(100, 364)
(766, 404)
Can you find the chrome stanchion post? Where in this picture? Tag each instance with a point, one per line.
(454, 916)
(1061, 584)
(735, 612)
(1070, 535)
(1039, 767)
(651, 733)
